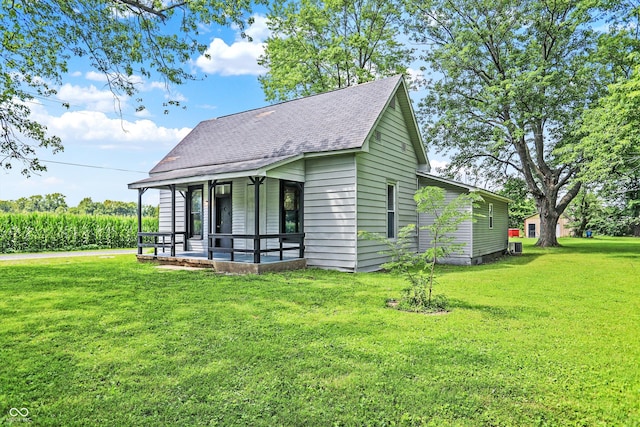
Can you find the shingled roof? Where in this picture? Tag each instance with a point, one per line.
(334, 121)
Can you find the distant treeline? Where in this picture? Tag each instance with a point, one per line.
(42, 231)
(46, 223)
(56, 202)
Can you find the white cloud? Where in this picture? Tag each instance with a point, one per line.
(258, 31)
(437, 164)
(139, 82)
(95, 76)
(95, 126)
(415, 78)
(238, 58)
(98, 129)
(89, 97)
(52, 180)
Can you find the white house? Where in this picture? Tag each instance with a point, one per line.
(291, 184)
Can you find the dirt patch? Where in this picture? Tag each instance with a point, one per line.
(392, 303)
(181, 267)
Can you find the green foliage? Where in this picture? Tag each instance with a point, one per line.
(610, 133)
(122, 40)
(515, 78)
(419, 268)
(36, 232)
(608, 211)
(320, 45)
(522, 205)
(109, 341)
(56, 203)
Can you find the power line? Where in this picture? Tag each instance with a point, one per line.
(92, 166)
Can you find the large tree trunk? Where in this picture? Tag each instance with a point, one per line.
(545, 183)
(548, 220)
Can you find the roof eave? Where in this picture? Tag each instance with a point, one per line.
(407, 111)
(262, 171)
(467, 187)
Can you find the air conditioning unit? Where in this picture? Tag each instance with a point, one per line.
(515, 248)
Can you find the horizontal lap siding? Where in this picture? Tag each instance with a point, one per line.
(490, 240)
(198, 245)
(462, 234)
(164, 225)
(272, 212)
(390, 160)
(329, 212)
(293, 171)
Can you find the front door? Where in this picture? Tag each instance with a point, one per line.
(223, 220)
(532, 230)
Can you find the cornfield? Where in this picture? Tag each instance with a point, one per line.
(37, 232)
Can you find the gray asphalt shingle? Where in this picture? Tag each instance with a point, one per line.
(337, 120)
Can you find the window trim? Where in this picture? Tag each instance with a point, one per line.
(490, 215)
(393, 210)
(189, 211)
(299, 192)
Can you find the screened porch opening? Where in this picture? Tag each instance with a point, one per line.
(197, 223)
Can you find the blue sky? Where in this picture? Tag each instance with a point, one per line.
(122, 148)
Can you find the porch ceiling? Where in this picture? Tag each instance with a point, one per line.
(257, 167)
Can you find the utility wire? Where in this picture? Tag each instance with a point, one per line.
(91, 166)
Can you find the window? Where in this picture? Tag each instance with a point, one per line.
(194, 212)
(290, 207)
(490, 215)
(391, 211)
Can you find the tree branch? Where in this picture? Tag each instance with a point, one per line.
(160, 13)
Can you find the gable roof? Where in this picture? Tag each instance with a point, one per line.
(563, 215)
(337, 121)
(469, 188)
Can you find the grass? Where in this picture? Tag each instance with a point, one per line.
(546, 338)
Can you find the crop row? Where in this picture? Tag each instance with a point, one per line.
(37, 232)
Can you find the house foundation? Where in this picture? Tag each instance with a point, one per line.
(229, 267)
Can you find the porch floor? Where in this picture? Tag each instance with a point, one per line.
(242, 264)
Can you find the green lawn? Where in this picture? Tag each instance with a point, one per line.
(551, 337)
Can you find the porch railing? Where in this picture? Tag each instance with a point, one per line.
(160, 240)
(286, 242)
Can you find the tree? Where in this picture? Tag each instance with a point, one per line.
(122, 39)
(522, 204)
(320, 45)
(610, 133)
(419, 268)
(511, 79)
(583, 208)
(54, 202)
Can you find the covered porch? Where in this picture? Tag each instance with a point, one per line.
(246, 224)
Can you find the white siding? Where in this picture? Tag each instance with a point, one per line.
(197, 245)
(164, 225)
(239, 192)
(462, 235)
(391, 160)
(330, 212)
(293, 171)
(491, 240)
(272, 212)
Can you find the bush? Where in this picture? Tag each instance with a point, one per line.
(37, 232)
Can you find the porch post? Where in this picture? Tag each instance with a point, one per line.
(256, 237)
(301, 213)
(173, 219)
(212, 186)
(139, 237)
